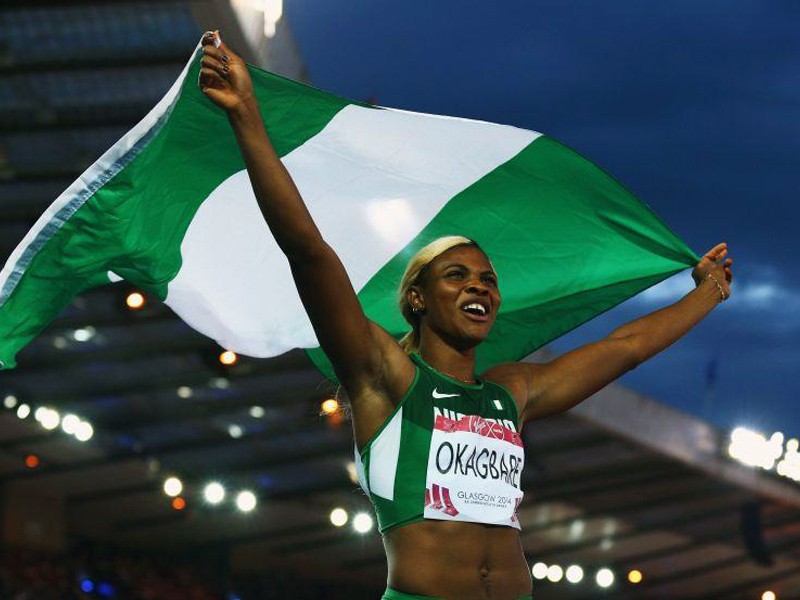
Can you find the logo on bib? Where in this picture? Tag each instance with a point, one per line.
(437, 394)
(438, 498)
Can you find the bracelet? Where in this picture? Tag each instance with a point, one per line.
(722, 295)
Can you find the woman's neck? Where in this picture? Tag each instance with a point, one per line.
(448, 360)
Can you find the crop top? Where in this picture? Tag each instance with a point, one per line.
(450, 451)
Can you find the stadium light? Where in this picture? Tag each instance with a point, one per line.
(339, 517)
(135, 300)
(329, 406)
(84, 334)
(604, 578)
(539, 570)
(173, 486)
(214, 493)
(246, 501)
(273, 11)
(574, 574)
(555, 573)
(753, 449)
(50, 419)
(84, 431)
(228, 358)
(635, 576)
(362, 522)
(70, 424)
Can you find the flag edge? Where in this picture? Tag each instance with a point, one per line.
(104, 169)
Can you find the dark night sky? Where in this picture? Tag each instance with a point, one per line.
(695, 106)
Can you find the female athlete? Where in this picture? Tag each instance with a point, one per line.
(438, 446)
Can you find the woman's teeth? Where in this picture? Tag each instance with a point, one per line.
(475, 308)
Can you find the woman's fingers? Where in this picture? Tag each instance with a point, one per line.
(210, 78)
(715, 260)
(223, 75)
(213, 64)
(213, 68)
(216, 53)
(213, 46)
(211, 38)
(717, 252)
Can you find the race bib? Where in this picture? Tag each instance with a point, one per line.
(474, 471)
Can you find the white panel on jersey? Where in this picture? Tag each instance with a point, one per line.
(383, 458)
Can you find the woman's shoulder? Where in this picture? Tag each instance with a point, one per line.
(513, 376)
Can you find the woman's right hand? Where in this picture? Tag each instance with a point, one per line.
(224, 78)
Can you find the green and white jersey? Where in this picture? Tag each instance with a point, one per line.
(450, 451)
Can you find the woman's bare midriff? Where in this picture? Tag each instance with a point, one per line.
(458, 561)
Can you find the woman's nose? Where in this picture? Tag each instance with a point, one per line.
(477, 287)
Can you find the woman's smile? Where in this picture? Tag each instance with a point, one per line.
(476, 311)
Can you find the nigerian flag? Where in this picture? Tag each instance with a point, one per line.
(169, 208)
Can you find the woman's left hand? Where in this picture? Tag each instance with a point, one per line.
(715, 264)
(224, 78)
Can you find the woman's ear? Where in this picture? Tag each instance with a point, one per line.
(415, 300)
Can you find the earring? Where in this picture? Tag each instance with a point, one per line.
(417, 310)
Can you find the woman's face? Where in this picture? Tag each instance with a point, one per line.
(460, 296)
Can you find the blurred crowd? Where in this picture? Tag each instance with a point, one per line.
(105, 574)
(27, 575)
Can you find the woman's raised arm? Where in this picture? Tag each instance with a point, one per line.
(569, 379)
(354, 345)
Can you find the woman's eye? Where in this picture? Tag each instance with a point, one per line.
(456, 274)
(490, 281)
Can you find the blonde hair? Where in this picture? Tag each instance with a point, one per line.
(415, 272)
